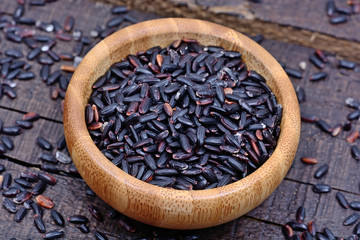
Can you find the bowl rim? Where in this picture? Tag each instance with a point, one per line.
(77, 142)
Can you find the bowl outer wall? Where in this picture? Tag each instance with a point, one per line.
(169, 208)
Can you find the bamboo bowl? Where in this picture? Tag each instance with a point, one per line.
(169, 208)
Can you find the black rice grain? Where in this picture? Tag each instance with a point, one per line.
(351, 219)
(329, 234)
(357, 229)
(6, 182)
(43, 143)
(100, 236)
(297, 226)
(318, 76)
(339, 19)
(324, 126)
(300, 214)
(355, 205)
(84, 228)
(293, 73)
(355, 152)
(321, 171)
(39, 223)
(78, 219)
(287, 231)
(321, 188)
(316, 61)
(54, 234)
(346, 64)
(9, 205)
(57, 217)
(21, 213)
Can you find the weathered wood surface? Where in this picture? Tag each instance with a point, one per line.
(33, 92)
(26, 148)
(69, 198)
(325, 99)
(301, 22)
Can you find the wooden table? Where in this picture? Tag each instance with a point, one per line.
(302, 23)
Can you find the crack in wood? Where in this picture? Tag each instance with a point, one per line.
(23, 112)
(37, 167)
(312, 184)
(263, 220)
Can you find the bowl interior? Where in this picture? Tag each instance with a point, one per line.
(171, 208)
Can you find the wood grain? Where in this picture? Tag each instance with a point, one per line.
(76, 202)
(300, 22)
(34, 92)
(326, 99)
(339, 85)
(26, 148)
(282, 205)
(167, 207)
(279, 208)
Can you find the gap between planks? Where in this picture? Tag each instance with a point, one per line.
(24, 112)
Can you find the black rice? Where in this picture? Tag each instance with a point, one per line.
(179, 103)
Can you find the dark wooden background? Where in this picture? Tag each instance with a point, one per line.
(293, 29)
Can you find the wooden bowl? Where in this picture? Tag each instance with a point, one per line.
(169, 208)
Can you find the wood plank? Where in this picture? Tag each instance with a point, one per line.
(326, 99)
(308, 15)
(247, 228)
(27, 151)
(268, 211)
(62, 201)
(69, 197)
(282, 205)
(31, 94)
(300, 22)
(26, 148)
